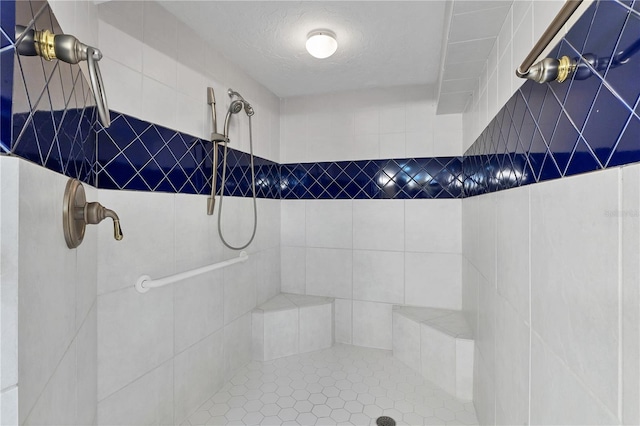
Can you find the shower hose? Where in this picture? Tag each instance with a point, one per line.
(253, 186)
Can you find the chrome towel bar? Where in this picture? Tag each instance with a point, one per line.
(145, 283)
(549, 69)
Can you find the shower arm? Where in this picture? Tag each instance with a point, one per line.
(69, 49)
(550, 69)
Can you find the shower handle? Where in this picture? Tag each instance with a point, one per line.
(69, 49)
(77, 214)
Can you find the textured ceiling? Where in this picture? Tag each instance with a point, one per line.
(380, 43)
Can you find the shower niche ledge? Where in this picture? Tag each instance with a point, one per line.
(289, 324)
(439, 344)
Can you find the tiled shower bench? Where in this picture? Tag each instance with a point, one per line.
(289, 324)
(439, 344)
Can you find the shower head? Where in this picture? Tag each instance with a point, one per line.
(248, 109)
(236, 106)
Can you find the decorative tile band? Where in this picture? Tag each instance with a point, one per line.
(7, 28)
(137, 155)
(543, 132)
(438, 177)
(555, 130)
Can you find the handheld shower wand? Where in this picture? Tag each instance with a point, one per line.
(236, 106)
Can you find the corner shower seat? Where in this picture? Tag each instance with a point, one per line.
(438, 343)
(289, 324)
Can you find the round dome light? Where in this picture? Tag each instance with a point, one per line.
(321, 43)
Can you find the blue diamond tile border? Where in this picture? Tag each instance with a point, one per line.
(543, 132)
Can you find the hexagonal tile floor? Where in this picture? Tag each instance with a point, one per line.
(342, 385)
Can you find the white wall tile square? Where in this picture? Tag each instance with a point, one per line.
(557, 396)
(630, 293)
(198, 374)
(268, 274)
(372, 324)
(367, 121)
(513, 252)
(159, 66)
(378, 276)
(292, 223)
(86, 387)
(447, 135)
(9, 402)
(329, 272)
(9, 267)
(125, 86)
(146, 249)
(433, 279)
(280, 333)
(406, 341)
(342, 320)
(512, 362)
(135, 335)
(315, 327)
(464, 369)
(438, 362)
(392, 118)
(329, 223)
(417, 144)
(111, 41)
(574, 275)
(198, 308)
(46, 286)
(237, 344)
(58, 402)
(196, 235)
(378, 225)
(239, 289)
(433, 226)
(134, 404)
(293, 264)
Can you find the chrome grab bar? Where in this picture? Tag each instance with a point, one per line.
(68, 49)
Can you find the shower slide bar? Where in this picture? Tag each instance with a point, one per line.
(145, 283)
(549, 69)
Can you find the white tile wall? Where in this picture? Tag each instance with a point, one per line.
(566, 275)
(378, 276)
(156, 81)
(134, 404)
(404, 251)
(198, 372)
(433, 279)
(378, 123)
(48, 359)
(372, 324)
(573, 307)
(630, 275)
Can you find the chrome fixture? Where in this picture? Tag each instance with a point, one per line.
(66, 48)
(77, 213)
(582, 67)
(550, 69)
(237, 104)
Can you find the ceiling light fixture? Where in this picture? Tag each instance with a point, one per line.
(321, 43)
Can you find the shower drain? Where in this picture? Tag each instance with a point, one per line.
(385, 421)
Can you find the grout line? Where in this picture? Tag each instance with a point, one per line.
(530, 324)
(620, 298)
